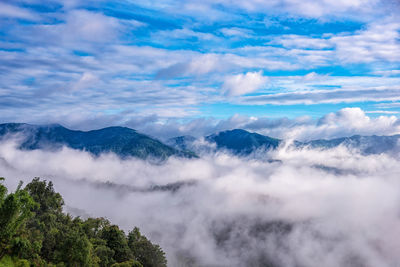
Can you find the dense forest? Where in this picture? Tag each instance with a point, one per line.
(34, 231)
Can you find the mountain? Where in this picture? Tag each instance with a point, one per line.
(237, 141)
(365, 144)
(242, 142)
(124, 142)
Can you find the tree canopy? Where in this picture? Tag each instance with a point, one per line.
(34, 231)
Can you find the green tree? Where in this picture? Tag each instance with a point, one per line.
(15, 209)
(74, 249)
(46, 226)
(93, 227)
(105, 255)
(130, 263)
(116, 240)
(148, 254)
(44, 194)
(62, 237)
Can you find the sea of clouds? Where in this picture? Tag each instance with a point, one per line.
(289, 207)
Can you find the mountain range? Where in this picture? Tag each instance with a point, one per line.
(243, 143)
(237, 141)
(126, 142)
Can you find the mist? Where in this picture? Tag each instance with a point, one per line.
(289, 207)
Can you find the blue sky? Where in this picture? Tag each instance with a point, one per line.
(96, 63)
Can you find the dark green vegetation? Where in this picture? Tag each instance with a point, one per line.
(124, 142)
(34, 231)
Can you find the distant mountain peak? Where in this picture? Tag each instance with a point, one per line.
(241, 141)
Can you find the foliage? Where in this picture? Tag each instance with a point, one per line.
(145, 252)
(15, 209)
(6, 261)
(130, 263)
(34, 231)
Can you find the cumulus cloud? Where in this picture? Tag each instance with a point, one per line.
(242, 84)
(345, 122)
(305, 208)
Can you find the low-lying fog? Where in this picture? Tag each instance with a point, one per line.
(303, 208)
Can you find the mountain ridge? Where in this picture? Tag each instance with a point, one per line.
(373, 144)
(123, 141)
(127, 142)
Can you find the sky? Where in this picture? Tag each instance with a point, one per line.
(90, 64)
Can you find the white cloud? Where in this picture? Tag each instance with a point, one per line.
(242, 84)
(11, 11)
(347, 117)
(388, 105)
(310, 208)
(307, 8)
(387, 72)
(343, 123)
(209, 10)
(346, 122)
(381, 112)
(328, 7)
(236, 32)
(380, 41)
(90, 26)
(85, 81)
(301, 41)
(184, 34)
(314, 88)
(49, 56)
(346, 95)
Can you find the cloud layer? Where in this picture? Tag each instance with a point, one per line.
(306, 208)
